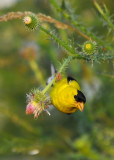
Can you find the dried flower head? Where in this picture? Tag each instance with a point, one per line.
(31, 22)
(37, 102)
(89, 47)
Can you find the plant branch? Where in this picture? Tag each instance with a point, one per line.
(13, 15)
(71, 51)
(103, 14)
(42, 18)
(68, 15)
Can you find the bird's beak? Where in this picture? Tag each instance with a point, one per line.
(80, 106)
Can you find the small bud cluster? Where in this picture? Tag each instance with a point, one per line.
(37, 102)
(31, 22)
(89, 47)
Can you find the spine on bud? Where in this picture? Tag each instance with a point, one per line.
(31, 22)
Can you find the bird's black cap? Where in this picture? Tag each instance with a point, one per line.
(80, 97)
(70, 79)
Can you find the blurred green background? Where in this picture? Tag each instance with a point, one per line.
(81, 136)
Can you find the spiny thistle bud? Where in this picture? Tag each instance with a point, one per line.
(31, 22)
(89, 47)
(37, 102)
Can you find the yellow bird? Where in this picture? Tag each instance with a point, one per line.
(66, 96)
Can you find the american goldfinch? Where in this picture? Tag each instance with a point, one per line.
(66, 95)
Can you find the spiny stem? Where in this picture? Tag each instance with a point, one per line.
(37, 71)
(67, 16)
(49, 85)
(103, 14)
(63, 44)
(59, 41)
(65, 63)
(83, 31)
(41, 17)
(72, 52)
(60, 25)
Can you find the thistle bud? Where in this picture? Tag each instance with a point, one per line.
(31, 22)
(89, 47)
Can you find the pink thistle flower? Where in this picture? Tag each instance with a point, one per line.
(31, 107)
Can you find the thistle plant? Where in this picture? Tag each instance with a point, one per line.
(91, 50)
(77, 39)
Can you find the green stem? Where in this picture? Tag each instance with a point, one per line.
(83, 31)
(71, 51)
(49, 85)
(60, 42)
(103, 14)
(65, 63)
(37, 71)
